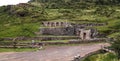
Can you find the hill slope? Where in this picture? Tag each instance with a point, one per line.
(24, 19)
(18, 20)
(84, 4)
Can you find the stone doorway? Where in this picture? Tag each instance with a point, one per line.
(84, 35)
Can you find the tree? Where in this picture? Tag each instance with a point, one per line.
(115, 45)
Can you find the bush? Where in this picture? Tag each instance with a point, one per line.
(116, 46)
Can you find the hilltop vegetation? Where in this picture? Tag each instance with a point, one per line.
(25, 19)
(102, 57)
(19, 20)
(82, 4)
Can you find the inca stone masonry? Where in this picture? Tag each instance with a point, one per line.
(64, 28)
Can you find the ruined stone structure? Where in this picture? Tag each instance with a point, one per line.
(93, 24)
(60, 31)
(87, 34)
(56, 24)
(68, 29)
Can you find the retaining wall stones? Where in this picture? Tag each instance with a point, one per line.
(68, 31)
(40, 38)
(29, 44)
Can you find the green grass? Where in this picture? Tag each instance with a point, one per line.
(17, 49)
(113, 35)
(57, 41)
(91, 43)
(56, 36)
(29, 41)
(102, 57)
(19, 30)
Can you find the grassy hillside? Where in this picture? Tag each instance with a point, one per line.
(102, 57)
(25, 19)
(84, 4)
(20, 20)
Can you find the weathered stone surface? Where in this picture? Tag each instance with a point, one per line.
(54, 24)
(67, 24)
(87, 34)
(46, 38)
(68, 31)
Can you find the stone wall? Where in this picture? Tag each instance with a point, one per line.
(70, 31)
(67, 31)
(67, 24)
(38, 38)
(87, 34)
(55, 24)
(28, 44)
(92, 24)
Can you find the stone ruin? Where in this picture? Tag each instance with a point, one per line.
(58, 31)
(87, 34)
(56, 24)
(68, 29)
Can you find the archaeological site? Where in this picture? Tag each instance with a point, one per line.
(85, 31)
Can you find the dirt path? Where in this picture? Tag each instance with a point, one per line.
(63, 53)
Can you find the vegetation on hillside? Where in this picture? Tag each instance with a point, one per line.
(18, 20)
(24, 19)
(102, 57)
(113, 56)
(17, 49)
(82, 4)
(115, 46)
